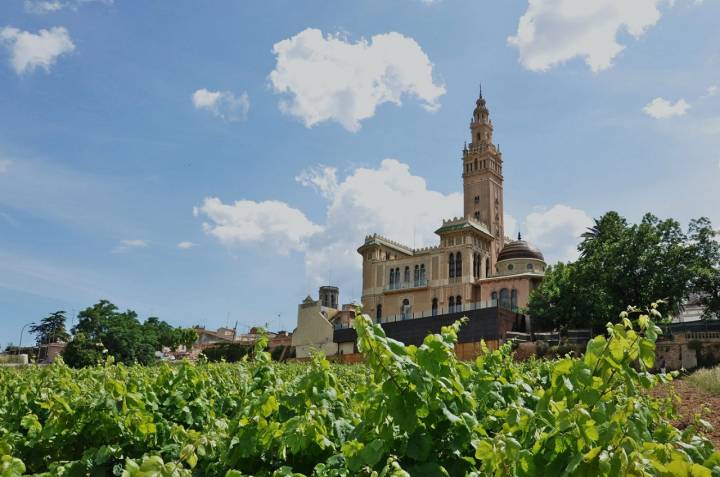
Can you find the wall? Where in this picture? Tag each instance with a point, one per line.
(314, 331)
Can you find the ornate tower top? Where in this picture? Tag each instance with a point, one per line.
(480, 123)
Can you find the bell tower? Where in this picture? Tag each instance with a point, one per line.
(482, 176)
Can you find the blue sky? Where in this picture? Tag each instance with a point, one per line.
(209, 162)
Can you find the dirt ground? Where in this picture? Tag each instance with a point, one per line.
(693, 401)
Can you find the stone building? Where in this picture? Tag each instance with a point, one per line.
(474, 265)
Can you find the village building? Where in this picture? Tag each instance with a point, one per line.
(474, 265)
(475, 271)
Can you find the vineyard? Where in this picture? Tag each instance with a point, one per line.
(410, 411)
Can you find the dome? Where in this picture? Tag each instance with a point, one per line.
(519, 249)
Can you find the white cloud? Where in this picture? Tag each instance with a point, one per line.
(222, 104)
(186, 245)
(127, 245)
(712, 91)
(247, 222)
(556, 231)
(322, 179)
(50, 6)
(29, 51)
(660, 108)
(511, 226)
(552, 32)
(4, 165)
(331, 79)
(388, 200)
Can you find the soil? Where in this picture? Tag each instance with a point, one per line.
(693, 401)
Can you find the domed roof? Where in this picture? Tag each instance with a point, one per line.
(519, 249)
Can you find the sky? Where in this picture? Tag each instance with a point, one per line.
(215, 162)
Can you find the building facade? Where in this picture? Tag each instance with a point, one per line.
(474, 265)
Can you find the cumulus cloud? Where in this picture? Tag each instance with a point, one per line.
(388, 200)
(552, 32)
(322, 179)
(186, 245)
(4, 165)
(127, 245)
(331, 79)
(222, 104)
(556, 231)
(50, 6)
(29, 51)
(247, 222)
(511, 225)
(660, 108)
(712, 90)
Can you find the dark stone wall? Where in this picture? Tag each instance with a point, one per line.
(482, 324)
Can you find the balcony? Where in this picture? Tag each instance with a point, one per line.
(406, 285)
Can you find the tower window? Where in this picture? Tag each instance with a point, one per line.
(477, 199)
(458, 265)
(451, 266)
(477, 216)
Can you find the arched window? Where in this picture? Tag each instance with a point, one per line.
(505, 299)
(476, 164)
(530, 266)
(416, 275)
(458, 265)
(493, 299)
(451, 304)
(407, 274)
(458, 303)
(422, 273)
(406, 309)
(513, 299)
(487, 267)
(451, 265)
(392, 278)
(397, 277)
(378, 313)
(434, 306)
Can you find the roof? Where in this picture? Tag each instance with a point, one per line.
(519, 249)
(457, 224)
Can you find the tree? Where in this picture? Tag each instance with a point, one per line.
(706, 266)
(624, 263)
(102, 328)
(51, 329)
(121, 334)
(82, 352)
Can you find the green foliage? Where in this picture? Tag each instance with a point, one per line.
(51, 329)
(706, 379)
(411, 411)
(622, 263)
(102, 328)
(230, 352)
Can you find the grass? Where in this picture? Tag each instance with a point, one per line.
(706, 379)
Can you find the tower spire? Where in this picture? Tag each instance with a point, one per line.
(480, 87)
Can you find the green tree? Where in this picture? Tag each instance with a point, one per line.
(627, 263)
(120, 333)
(706, 266)
(51, 329)
(82, 351)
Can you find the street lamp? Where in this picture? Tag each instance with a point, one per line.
(21, 333)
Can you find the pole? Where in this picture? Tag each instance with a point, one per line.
(21, 335)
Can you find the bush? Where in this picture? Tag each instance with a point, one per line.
(706, 379)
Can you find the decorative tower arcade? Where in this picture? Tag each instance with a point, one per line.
(482, 177)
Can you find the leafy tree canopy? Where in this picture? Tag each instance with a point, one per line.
(103, 328)
(51, 329)
(630, 263)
